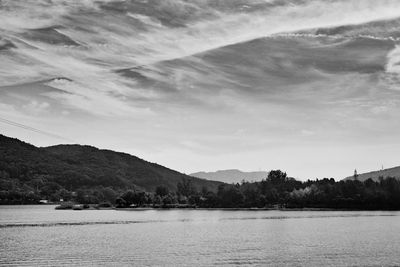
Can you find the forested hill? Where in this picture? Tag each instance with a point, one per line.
(72, 167)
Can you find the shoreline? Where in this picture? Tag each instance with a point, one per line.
(194, 208)
(254, 209)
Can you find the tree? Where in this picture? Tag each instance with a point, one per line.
(120, 202)
(108, 194)
(204, 190)
(185, 187)
(136, 198)
(129, 197)
(169, 199)
(162, 191)
(277, 177)
(231, 197)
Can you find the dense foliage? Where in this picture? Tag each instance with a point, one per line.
(86, 174)
(278, 190)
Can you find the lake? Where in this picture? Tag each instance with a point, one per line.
(40, 235)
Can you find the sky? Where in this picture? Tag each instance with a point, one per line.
(310, 87)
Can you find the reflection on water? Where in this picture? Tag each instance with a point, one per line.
(40, 235)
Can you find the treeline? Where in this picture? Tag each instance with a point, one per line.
(277, 190)
(15, 191)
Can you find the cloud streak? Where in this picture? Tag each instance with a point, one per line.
(208, 77)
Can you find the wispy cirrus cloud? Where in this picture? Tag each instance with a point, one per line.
(216, 78)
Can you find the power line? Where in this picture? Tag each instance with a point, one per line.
(26, 127)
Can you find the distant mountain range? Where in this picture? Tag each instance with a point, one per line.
(231, 176)
(392, 172)
(75, 166)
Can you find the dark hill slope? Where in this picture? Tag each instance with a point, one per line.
(75, 166)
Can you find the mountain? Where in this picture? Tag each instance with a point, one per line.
(390, 172)
(74, 167)
(231, 176)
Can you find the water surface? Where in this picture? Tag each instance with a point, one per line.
(40, 235)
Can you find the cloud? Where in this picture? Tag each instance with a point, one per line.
(213, 79)
(34, 107)
(110, 42)
(82, 98)
(393, 64)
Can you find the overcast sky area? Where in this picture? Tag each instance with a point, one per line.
(311, 87)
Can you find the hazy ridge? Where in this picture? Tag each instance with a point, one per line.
(231, 176)
(374, 175)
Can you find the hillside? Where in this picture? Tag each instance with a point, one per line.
(390, 172)
(73, 167)
(231, 176)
